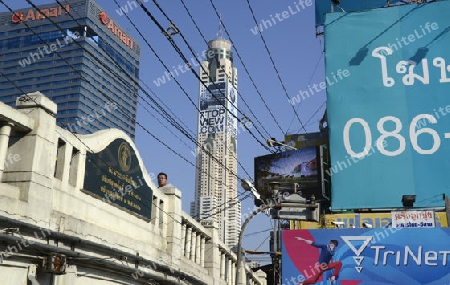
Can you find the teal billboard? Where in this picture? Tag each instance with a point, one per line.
(388, 123)
(114, 175)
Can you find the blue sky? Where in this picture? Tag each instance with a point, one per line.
(294, 48)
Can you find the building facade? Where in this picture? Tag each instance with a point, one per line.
(78, 56)
(60, 226)
(216, 161)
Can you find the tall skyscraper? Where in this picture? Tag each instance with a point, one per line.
(91, 90)
(216, 181)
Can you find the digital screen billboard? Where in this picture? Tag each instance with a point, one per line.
(387, 120)
(366, 256)
(294, 167)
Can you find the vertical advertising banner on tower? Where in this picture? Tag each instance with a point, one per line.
(366, 256)
(388, 123)
(212, 117)
(232, 110)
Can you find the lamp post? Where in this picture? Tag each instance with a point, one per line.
(274, 189)
(238, 260)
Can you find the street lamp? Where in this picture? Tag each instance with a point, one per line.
(239, 252)
(272, 142)
(248, 186)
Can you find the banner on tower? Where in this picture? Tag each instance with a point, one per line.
(212, 116)
(232, 110)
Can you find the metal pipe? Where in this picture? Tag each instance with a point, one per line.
(76, 240)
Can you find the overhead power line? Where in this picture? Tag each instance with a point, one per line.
(239, 93)
(275, 67)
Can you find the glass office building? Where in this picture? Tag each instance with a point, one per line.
(76, 55)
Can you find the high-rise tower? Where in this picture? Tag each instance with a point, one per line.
(216, 180)
(78, 56)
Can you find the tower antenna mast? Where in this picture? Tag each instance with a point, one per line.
(219, 35)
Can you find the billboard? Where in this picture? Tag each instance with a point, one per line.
(387, 120)
(366, 256)
(294, 167)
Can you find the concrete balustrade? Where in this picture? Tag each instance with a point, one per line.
(104, 243)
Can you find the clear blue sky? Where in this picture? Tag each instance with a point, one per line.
(295, 50)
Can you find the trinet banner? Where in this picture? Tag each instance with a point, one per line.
(389, 120)
(366, 256)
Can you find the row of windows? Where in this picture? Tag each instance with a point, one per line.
(117, 57)
(65, 24)
(40, 85)
(48, 37)
(131, 95)
(25, 41)
(125, 121)
(36, 29)
(117, 47)
(129, 89)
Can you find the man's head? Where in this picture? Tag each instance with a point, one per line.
(162, 179)
(333, 244)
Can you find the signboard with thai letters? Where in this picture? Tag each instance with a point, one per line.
(413, 219)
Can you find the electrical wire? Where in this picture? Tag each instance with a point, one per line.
(245, 68)
(274, 66)
(203, 149)
(91, 85)
(309, 82)
(178, 50)
(206, 42)
(80, 74)
(214, 83)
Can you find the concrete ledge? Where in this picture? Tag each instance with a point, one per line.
(10, 191)
(21, 122)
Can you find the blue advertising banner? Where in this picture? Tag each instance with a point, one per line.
(388, 123)
(366, 256)
(326, 6)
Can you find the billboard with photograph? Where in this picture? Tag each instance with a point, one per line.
(396, 256)
(388, 124)
(294, 167)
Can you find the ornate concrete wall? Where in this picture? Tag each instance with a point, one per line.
(46, 218)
